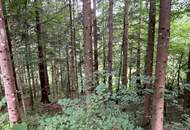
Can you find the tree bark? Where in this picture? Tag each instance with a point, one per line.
(138, 81)
(11, 53)
(161, 63)
(73, 83)
(7, 72)
(88, 59)
(149, 60)
(186, 103)
(125, 46)
(95, 44)
(42, 61)
(110, 44)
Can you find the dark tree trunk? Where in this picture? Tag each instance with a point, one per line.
(125, 46)
(73, 91)
(149, 60)
(186, 103)
(104, 55)
(7, 72)
(138, 81)
(88, 59)
(42, 60)
(130, 66)
(161, 64)
(110, 44)
(95, 44)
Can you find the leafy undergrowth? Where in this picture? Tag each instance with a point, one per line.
(99, 111)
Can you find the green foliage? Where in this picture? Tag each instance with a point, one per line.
(2, 103)
(21, 126)
(96, 112)
(183, 124)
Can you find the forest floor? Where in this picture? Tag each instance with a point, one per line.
(173, 112)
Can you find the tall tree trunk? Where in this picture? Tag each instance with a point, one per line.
(28, 56)
(120, 69)
(186, 103)
(11, 53)
(110, 44)
(161, 63)
(73, 85)
(95, 44)
(125, 46)
(80, 71)
(42, 61)
(138, 81)
(7, 72)
(66, 92)
(130, 66)
(149, 60)
(88, 59)
(104, 44)
(104, 54)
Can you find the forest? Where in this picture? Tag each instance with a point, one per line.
(94, 65)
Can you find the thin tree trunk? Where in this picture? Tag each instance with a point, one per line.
(73, 85)
(130, 67)
(120, 69)
(33, 82)
(179, 70)
(138, 81)
(162, 58)
(7, 73)
(88, 58)
(186, 103)
(149, 60)
(68, 74)
(42, 61)
(104, 45)
(110, 44)
(80, 72)
(125, 46)
(28, 56)
(95, 44)
(104, 55)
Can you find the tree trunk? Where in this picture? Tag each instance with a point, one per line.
(104, 44)
(120, 69)
(149, 60)
(88, 59)
(179, 70)
(42, 61)
(161, 63)
(138, 81)
(73, 84)
(110, 44)
(66, 92)
(11, 53)
(186, 103)
(125, 46)
(95, 44)
(7, 73)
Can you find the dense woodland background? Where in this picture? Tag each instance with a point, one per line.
(95, 64)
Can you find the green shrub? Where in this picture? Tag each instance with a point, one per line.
(102, 114)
